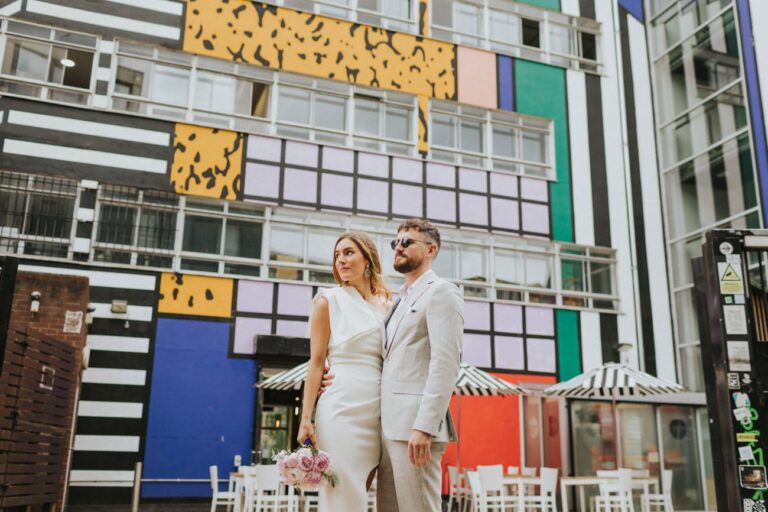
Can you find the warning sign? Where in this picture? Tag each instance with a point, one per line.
(730, 278)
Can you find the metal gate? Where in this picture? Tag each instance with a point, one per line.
(37, 393)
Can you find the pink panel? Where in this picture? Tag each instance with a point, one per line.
(262, 180)
(535, 190)
(504, 213)
(300, 153)
(441, 205)
(294, 299)
(291, 328)
(406, 200)
(264, 148)
(509, 353)
(406, 169)
(536, 218)
(541, 355)
(373, 165)
(441, 175)
(477, 315)
(373, 195)
(473, 179)
(473, 209)
(336, 190)
(300, 186)
(503, 184)
(254, 296)
(337, 159)
(246, 330)
(477, 77)
(507, 318)
(539, 321)
(477, 350)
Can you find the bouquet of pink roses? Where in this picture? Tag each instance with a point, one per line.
(305, 468)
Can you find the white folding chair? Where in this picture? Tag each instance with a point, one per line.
(526, 471)
(622, 499)
(266, 493)
(663, 500)
(493, 496)
(513, 470)
(546, 500)
(456, 490)
(218, 497)
(311, 501)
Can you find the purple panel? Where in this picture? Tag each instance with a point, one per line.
(477, 350)
(371, 164)
(294, 299)
(336, 190)
(373, 195)
(254, 296)
(406, 169)
(541, 355)
(441, 205)
(536, 218)
(337, 159)
(509, 353)
(264, 148)
(292, 328)
(300, 186)
(507, 318)
(539, 321)
(473, 209)
(441, 175)
(503, 184)
(245, 331)
(262, 180)
(406, 200)
(300, 153)
(477, 315)
(504, 213)
(473, 179)
(535, 190)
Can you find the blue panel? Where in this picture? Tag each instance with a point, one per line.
(201, 407)
(755, 105)
(634, 7)
(506, 83)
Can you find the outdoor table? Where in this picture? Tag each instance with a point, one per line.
(521, 481)
(644, 483)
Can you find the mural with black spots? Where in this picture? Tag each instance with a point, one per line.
(182, 294)
(207, 162)
(285, 39)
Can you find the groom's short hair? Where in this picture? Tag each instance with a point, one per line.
(422, 226)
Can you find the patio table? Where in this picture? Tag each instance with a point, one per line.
(644, 483)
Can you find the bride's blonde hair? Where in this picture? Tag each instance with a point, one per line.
(371, 254)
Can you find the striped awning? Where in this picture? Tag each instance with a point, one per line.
(613, 380)
(472, 381)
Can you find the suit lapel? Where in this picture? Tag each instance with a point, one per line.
(413, 297)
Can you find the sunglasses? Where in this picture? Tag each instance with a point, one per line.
(405, 242)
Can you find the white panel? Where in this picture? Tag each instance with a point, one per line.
(110, 409)
(651, 196)
(581, 177)
(117, 343)
(100, 478)
(82, 245)
(570, 7)
(138, 313)
(99, 101)
(591, 344)
(107, 443)
(85, 214)
(103, 20)
(89, 184)
(100, 279)
(104, 74)
(165, 6)
(759, 14)
(114, 376)
(11, 9)
(80, 127)
(106, 46)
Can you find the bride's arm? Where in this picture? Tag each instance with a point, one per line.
(319, 332)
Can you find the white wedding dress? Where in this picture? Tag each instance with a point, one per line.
(347, 417)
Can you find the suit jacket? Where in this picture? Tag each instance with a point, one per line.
(421, 363)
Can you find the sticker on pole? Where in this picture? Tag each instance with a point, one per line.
(731, 282)
(752, 477)
(726, 248)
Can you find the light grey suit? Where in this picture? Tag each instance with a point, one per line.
(421, 364)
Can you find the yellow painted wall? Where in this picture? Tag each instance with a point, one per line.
(182, 294)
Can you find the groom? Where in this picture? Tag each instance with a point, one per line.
(422, 352)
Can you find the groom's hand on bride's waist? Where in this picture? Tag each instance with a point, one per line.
(327, 380)
(419, 448)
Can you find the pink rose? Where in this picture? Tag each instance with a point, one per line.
(291, 461)
(313, 479)
(306, 460)
(322, 462)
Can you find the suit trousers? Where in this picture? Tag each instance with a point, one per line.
(401, 486)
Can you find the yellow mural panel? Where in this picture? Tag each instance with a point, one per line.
(182, 294)
(282, 38)
(207, 162)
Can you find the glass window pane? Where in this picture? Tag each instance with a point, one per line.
(243, 239)
(71, 67)
(293, 105)
(594, 437)
(600, 274)
(505, 27)
(538, 271)
(442, 13)
(157, 229)
(681, 455)
(49, 216)
(116, 224)
(572, 275)
(170, 85)
(202, 234)
(588, 46)
(504, 141)
(132, 76)
(398, 123)
(396, 8)
(286, 244)
(508, 267)
(215, 92)
(446, 263)
(474, 264)
(472, 136)
(367, 117)
(26, 59)
(561, 39)
(330, 112)
(259, 96)
(466, 18)
(531, 33)
(320, 247)
(535, 147)
(639, 442)
(443, 130)
(532, 415)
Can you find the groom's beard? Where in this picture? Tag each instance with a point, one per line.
(407, 265)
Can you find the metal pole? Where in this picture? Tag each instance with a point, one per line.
(136, 487)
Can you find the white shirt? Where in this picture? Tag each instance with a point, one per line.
(403, 304)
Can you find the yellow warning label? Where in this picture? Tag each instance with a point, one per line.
(730, 278)
(746, 437)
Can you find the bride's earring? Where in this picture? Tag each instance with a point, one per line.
(368, 272)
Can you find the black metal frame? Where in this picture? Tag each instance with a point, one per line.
(8, 269)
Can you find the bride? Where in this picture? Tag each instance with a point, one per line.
(347, 328)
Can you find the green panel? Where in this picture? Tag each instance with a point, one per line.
(540, 90)
(546, 4)
(568, 356)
